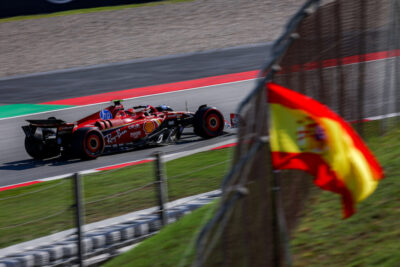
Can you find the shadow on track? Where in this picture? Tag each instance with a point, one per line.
(26, 164)
(33, 163)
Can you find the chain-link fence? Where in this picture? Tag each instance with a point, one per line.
(342, 53)
(83, 216)
(33, 213)
(118, 191)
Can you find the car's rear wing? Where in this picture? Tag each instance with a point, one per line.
(54, 125)
(49, 123)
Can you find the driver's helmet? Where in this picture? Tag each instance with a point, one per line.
(147, 111)
(163, 108)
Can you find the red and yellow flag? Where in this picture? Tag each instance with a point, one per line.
(306, 135)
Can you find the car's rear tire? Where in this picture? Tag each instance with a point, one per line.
(39, 150)
(208, 122)
(87, 143)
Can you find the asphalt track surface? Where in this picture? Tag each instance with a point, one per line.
(44, 87)
(17, 167)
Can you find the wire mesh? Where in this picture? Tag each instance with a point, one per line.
(35, 211)
(198, 173)
(346, 55)
(112, 193)
(120, 194)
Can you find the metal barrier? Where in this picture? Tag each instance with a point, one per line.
(346, 55)
(87, 226)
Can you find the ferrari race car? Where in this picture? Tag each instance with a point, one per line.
(116, 128)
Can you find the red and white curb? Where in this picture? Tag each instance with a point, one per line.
(154, 90)
(168, 157)
(228, 143)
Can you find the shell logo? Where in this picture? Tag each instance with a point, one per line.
(149, 126)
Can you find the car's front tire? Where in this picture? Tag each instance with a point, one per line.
(208, 122)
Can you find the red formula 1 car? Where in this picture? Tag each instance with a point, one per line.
(116, 128)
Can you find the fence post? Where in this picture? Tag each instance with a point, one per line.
(79, 216)
(282, 255)
(162, 192)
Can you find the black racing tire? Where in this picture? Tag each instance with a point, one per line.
(208, 122)
(87, 143)
(38, 150)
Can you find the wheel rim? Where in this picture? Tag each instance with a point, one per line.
(93, 143)
(213, 122)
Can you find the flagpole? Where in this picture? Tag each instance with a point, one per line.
(279, 227)
(275, 225)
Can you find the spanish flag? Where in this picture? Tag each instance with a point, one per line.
(306, 135)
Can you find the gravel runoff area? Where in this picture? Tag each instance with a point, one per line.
(44, 44)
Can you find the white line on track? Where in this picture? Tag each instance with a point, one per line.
(375, 60)
(167, 158)
(380, 117)
(175, 155)
(136, 97)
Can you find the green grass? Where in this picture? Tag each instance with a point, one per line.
(174, 245)
(368, 238)
(23, 109)
(106, 194)
(21, 210)
(90, 10)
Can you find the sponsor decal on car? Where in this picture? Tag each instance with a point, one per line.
(149, 126)
(105, 114)
(112, 139)
(158, 122)
(134, 126)
(136, 134)
(121, 133)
